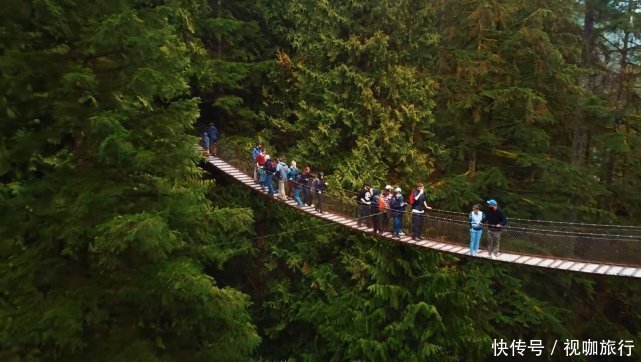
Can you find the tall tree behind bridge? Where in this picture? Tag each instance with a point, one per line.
(105, 229)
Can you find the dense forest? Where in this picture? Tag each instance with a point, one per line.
(115, 244)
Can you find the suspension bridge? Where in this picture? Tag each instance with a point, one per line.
(577, 247)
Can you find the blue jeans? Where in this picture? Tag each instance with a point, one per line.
(269, 179)
(297, 197)
(475, 237)
(398, 224)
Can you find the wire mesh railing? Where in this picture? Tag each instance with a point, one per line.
(599, 243)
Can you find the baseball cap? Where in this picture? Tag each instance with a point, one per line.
(398, 189)
(388, 187)
(492, 203)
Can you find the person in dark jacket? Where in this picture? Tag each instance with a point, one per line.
(418, 211)
(495, 220)
(270, 170)
(376, 212)
(298, 188)
(306, 183)
(318, 185)
(398, 208)
(364, 201)
(212, 132)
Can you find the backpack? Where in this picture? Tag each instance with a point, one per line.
(376, 202)
(412, 197)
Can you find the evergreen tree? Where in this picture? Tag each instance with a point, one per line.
(509, 88)
(363, 106)
(104, 248)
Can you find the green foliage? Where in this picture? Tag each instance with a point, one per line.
(103, 254)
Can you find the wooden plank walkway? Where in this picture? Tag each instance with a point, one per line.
(459, 250)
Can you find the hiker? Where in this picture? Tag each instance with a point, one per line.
(281, 174)
(398, 208)
(255, 152)
(318, 185)
(260, 163)
(417, 200)
(303, 182)
(206, 142)
(364, 201)
(270, 170)
(477, 218)
(212, 132)
(291, 175)
(298, 188)
(385, 198)
(376, 211)
(495, 220)
(307, 186)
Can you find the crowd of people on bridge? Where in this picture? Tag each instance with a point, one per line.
(375, 207)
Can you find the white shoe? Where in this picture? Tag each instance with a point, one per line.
(401, 234)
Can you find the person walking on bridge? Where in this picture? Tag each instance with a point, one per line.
(398, 208)
(306, 183)
(477, 219)
(281, 173)
(291, 176)
(495, 220)
(270, 170)
(318, 185)
(213, 134)
(386, 197)
(417, 200)
(260, 163)
(255, 152)
(376, 211)
(364, 201)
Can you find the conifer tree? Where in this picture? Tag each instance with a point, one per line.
(105, 229)
(364, 97)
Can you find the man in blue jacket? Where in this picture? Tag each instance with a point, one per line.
(255, 152)
(213, 138)
(495, 220)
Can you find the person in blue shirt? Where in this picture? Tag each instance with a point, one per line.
(255, 152)
(477, 218)
(212, 132)
(206, 142)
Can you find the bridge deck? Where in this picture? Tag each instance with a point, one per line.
(507, 257)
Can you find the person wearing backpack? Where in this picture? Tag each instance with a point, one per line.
(417, 200)
(270, 169)
(281, 174)
(398, 208)
(383, 206)
(298, 188)
(376, 211)
(255, 152)
(364, 201)
(477, 219)
(212, 132)
(319, 187)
